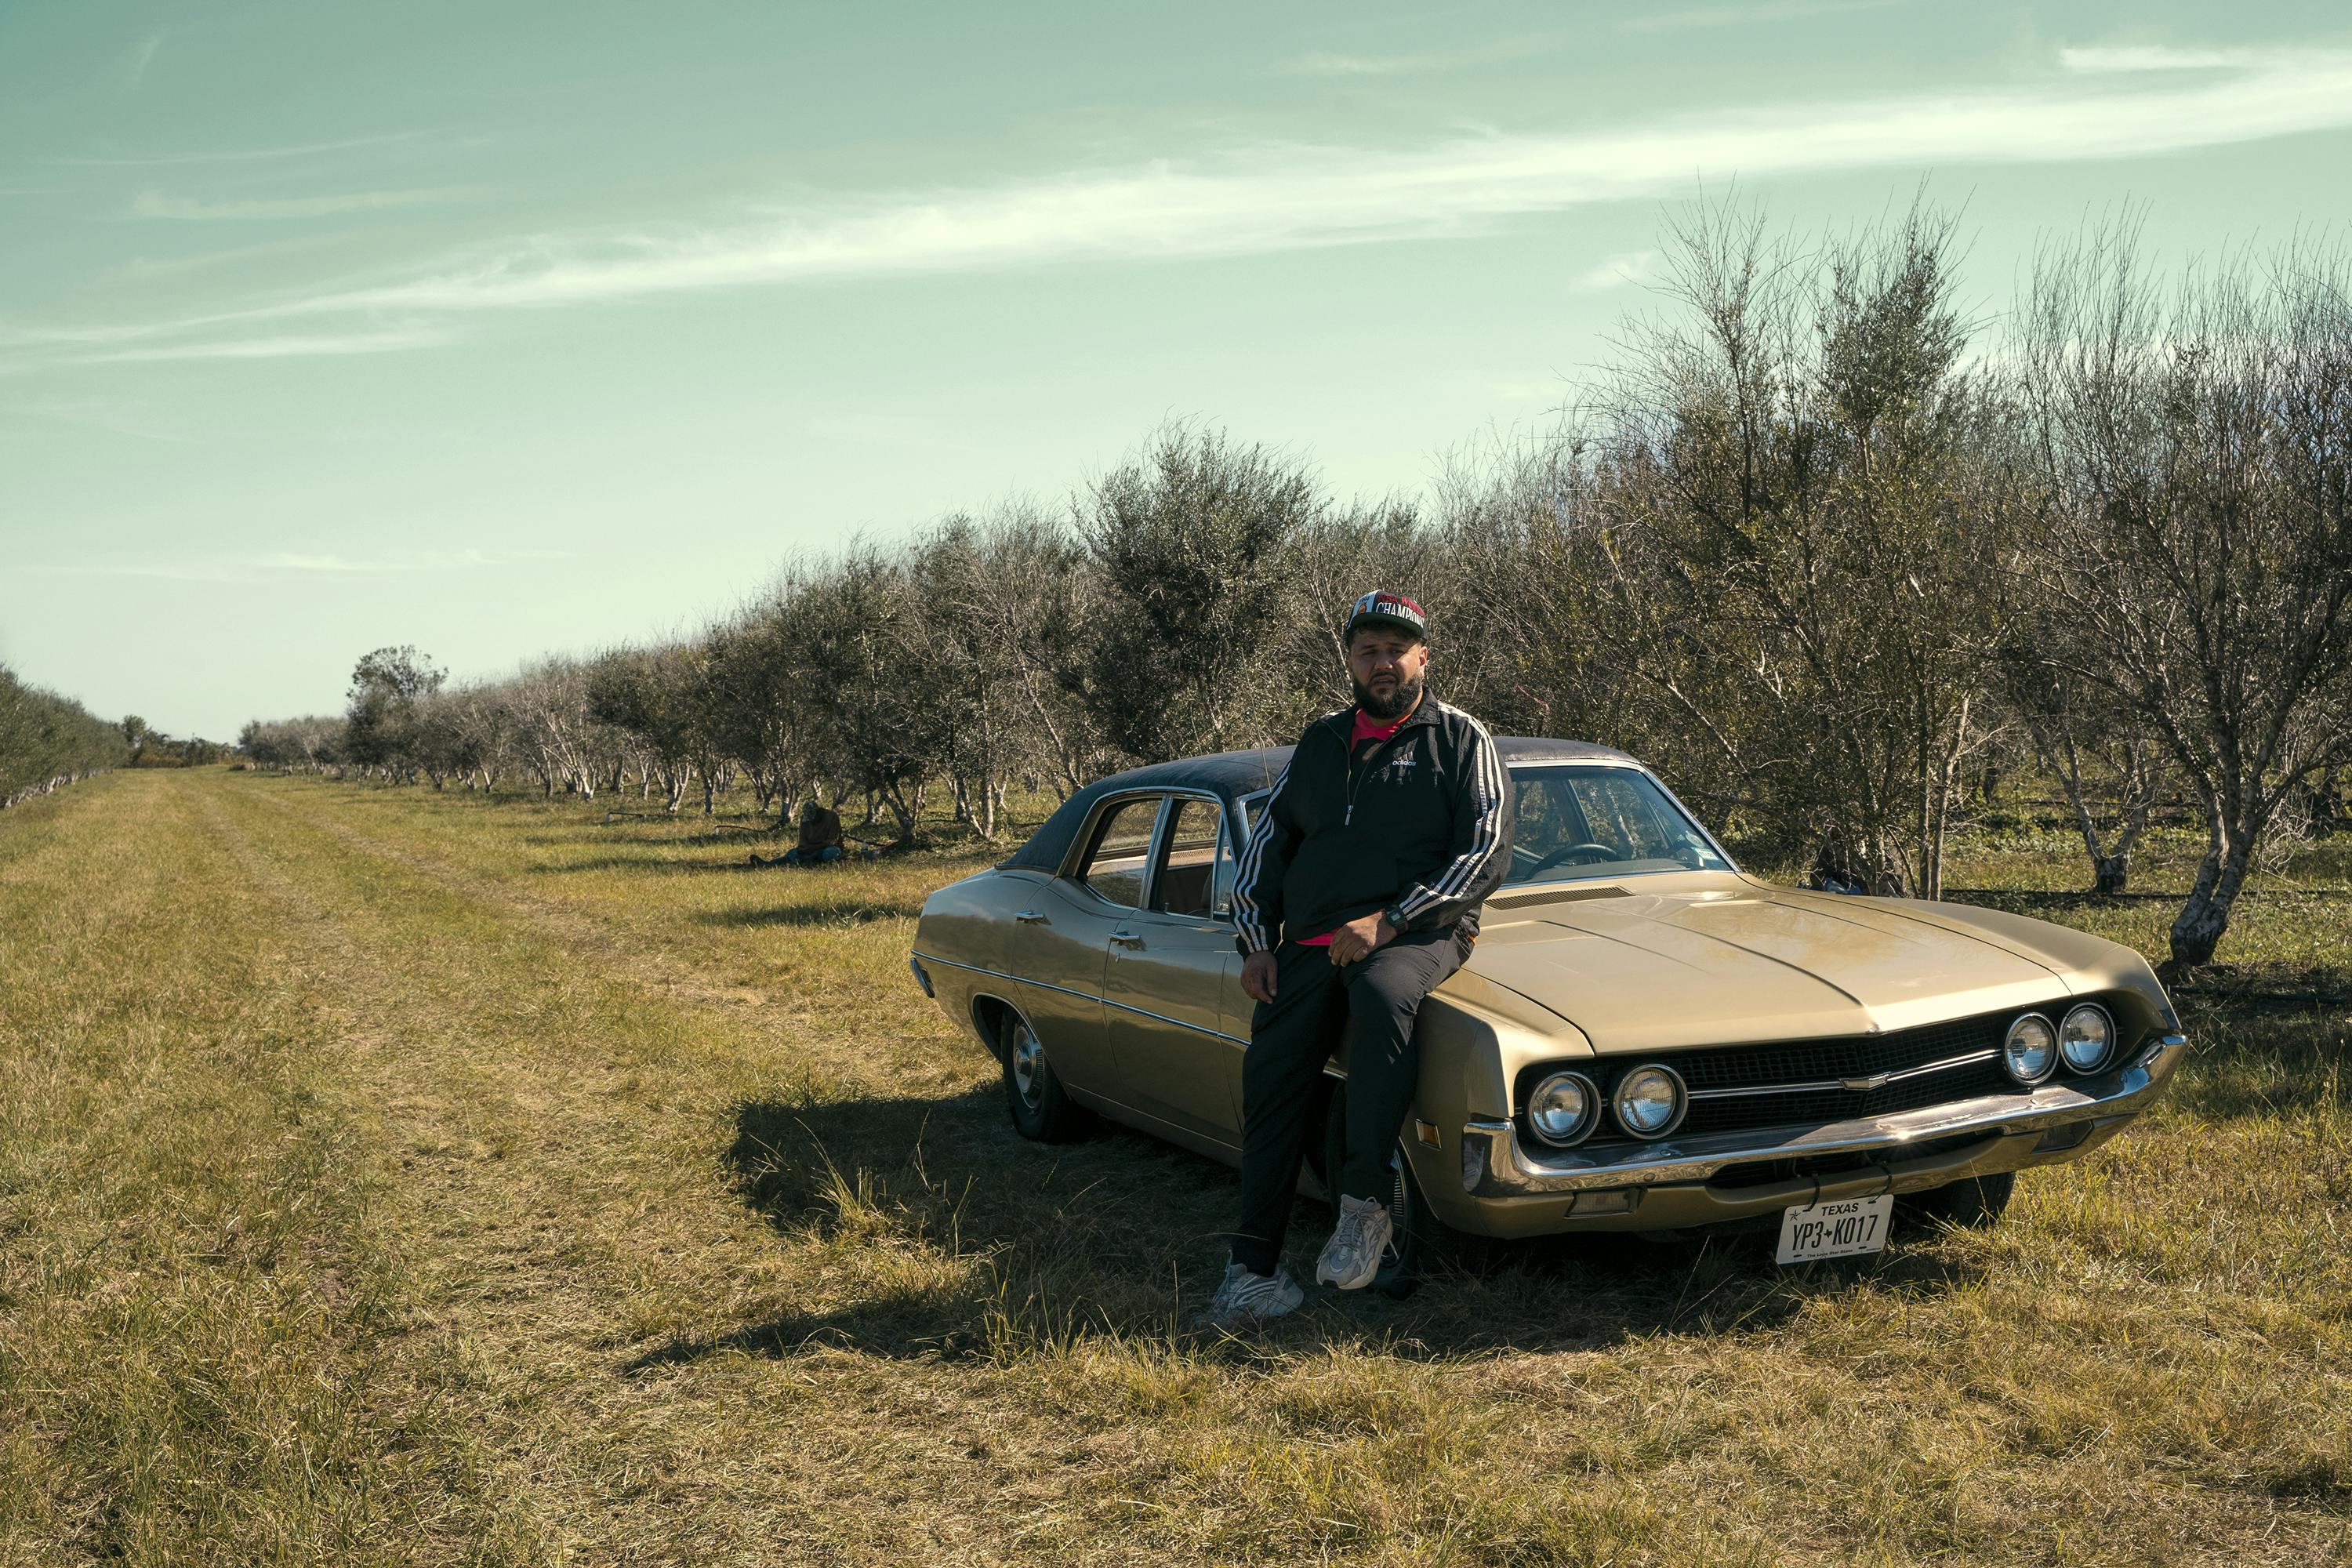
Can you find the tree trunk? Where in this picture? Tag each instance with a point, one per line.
(902, 814)
(2197, 930)
(2110, 874)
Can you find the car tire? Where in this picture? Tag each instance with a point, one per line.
(1042, 1109)
(1973, 1200)
(1418, 1240)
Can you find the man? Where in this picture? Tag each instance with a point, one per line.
(821, 835)
(1358, 893)
(821, 839)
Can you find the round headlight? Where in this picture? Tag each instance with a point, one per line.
(2086, 1038)
(1563, 1108)
(1649, 1102)
(2032, 1048)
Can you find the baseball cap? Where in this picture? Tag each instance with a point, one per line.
(1382, 608)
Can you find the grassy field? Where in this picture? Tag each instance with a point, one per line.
(396, 1178)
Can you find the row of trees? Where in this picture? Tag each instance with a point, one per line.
(1828, 557)
(151, 748)
(47, 741)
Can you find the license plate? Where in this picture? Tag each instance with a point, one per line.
(1836, 1230)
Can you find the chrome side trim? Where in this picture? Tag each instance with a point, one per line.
(1001, 975)
(1082, 996)
(1163, 1017)
(1855, 1085)
(1495, 1165)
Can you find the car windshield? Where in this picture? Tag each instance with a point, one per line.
(1576, 822)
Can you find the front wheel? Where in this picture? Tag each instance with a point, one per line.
(1417, 1237)
(1041, 1107)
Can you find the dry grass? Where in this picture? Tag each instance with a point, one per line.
(393, 1177)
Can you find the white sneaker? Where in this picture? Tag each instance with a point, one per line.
(1247, 1297)
(1352, 1256)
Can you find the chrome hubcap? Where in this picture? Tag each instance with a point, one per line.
(1028, 1066)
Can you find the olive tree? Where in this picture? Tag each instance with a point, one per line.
(1787, 514)
(1189, 539)
(1014, 598)
(554, 731)
(659, 698)
(890, 712)
(48, 741)
(379, 725)
(2195, 450)
(762, 713)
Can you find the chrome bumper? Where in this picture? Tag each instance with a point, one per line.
(1495, 1165)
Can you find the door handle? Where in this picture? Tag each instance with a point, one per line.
(1030, 918)
(1126, 938)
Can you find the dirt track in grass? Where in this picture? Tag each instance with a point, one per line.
(401, 1177)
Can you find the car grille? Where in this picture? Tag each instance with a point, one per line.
(1739, 1113)
(1806, 1083)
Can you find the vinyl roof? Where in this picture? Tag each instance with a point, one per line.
(1232, 775)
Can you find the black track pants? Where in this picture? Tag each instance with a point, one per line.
(1374, 1002)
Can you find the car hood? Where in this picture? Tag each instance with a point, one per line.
(1733, 964)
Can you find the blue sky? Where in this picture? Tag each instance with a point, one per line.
(507, 328)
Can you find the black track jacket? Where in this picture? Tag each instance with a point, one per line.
(1421, 829)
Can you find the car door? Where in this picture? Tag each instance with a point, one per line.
(1166, 985)
(1066, 941)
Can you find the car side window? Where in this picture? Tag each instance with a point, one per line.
(1115, 867)
(1196, 867)
(1246, 812)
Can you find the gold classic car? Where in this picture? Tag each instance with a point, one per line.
(1645, 1037)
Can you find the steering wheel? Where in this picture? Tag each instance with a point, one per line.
(1598, 851)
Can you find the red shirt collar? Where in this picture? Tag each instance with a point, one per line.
(1371, 728)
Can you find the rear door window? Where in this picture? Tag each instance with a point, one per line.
(1196, 868)
(1116, 866)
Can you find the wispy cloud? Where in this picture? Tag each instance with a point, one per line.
(106, 415)
(186, 209)
(169, 570)
(1763, 11)
(285, 563)
(2125, 59)
(277, 345)
(150, 267)
(255, 155)
(1534, 46)
(1632, 267)
(1427, 61)
(405, 561)
(139, 57)
(1280, 198)
(290, 345)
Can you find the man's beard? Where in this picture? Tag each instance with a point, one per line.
(1396, 705)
